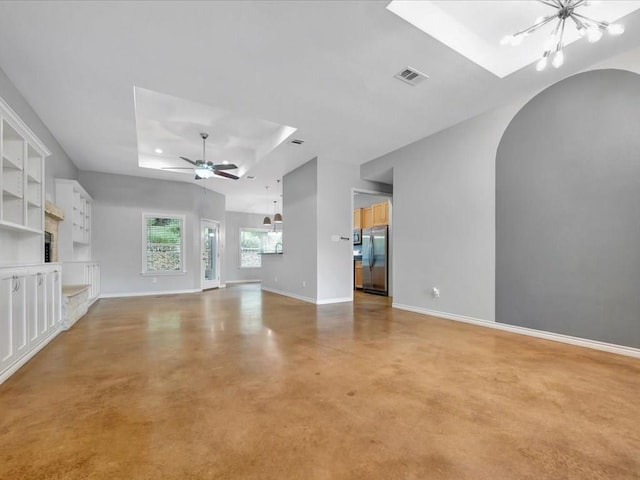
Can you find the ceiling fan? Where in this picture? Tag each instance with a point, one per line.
(204, 169)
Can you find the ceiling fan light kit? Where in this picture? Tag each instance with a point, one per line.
(554, 46)
(204, 169)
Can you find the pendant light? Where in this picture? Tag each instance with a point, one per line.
(267, 221)
(277, 217)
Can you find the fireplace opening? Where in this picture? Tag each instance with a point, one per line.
(47, 246)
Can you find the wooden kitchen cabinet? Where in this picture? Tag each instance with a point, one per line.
(380, 214)
(357, 274)
(367, 217)
(357, 218)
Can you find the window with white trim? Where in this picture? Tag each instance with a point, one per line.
(162, 243)
(254, 242)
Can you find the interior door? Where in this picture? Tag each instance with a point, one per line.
(209, 235)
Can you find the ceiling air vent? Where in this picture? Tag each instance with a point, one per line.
(411, 76)
(296, 141)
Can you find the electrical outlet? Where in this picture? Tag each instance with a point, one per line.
(304, 283)
(435, 291)
(275, 279)
(154, 280)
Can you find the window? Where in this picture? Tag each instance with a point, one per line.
(253, 242)
(163, 243)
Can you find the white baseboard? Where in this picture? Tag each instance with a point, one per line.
(308, 299)
(233, 282)
(16, 366)
(287, 294)
(556, 337)
(334, 300)
(147, 294)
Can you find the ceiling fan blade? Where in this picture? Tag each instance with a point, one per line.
(177, 168)
(225, 174)
(187, 160)
(225, 166)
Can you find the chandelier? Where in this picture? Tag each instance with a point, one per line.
(564, 10)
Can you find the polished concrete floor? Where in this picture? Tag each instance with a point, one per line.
(239, 384)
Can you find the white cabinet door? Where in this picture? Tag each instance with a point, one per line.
(88, 269)
(37, 298)
(53, 299)
(6, 325)
(96, 280)
(19, 316)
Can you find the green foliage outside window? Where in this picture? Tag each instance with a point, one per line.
(164, 244)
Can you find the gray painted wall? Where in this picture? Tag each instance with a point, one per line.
(336, 181)
(299, 235)
(58, 165)
(317, 199)
(119, 202)
(568, 223)
(233, 223)
(444, 217)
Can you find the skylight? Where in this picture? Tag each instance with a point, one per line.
(474, 28)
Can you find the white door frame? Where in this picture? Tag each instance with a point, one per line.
(215, 283)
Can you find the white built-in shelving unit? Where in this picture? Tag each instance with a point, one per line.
(21, 176)
(30, 290)
(74, 233)
(74, 237)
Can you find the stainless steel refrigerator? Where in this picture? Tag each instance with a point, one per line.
(375, 255)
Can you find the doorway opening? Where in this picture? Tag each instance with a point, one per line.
(210, 254)
(372, 245)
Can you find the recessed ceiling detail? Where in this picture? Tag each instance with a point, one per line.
(474, 29)
(176, 124)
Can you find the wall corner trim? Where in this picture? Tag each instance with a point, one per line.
(556, 337)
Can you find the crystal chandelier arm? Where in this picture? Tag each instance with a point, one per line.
(555, 33)
(561, 26)
(552, 3)
(578, 23)
(602, 25)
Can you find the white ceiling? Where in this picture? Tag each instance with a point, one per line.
(325, 68)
